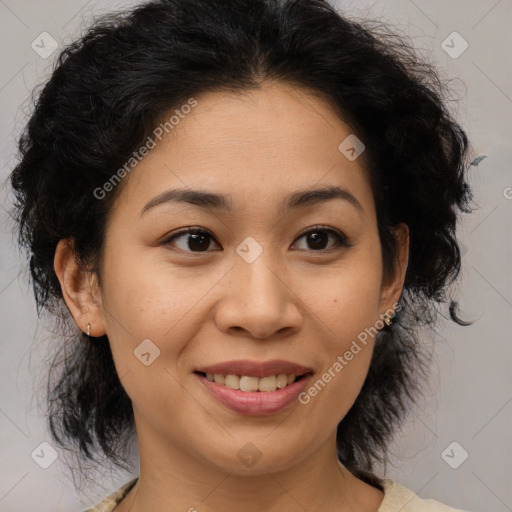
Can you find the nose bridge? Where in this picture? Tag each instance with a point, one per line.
(258, 270)
(258, 298)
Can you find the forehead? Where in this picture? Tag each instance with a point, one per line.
(264, 143)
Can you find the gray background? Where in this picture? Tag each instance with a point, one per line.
(470, 399)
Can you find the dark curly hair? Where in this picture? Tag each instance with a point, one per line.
(108, 91)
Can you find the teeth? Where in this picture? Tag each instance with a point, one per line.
(282, 380)
(219, 379)
(247, 383)
(232, 381)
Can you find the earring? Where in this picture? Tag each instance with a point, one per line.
(387, 320)
(88, 329)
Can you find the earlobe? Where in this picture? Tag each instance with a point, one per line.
(79, 289)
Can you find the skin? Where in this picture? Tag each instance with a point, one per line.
(293, 302)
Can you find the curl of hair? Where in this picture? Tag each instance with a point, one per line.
(110, 88)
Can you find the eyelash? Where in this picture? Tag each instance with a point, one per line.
(343, 241)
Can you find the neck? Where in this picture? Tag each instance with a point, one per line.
(173, 480)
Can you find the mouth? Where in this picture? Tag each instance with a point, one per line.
(251, 395)
(251, 383)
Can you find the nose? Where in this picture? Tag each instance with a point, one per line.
(259, 300)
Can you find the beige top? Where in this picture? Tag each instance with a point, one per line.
(396, 498)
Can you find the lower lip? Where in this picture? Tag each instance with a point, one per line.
(255, 403)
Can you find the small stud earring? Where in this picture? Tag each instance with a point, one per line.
(88, 329)
(387, 320)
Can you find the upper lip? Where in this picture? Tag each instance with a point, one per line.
(255, 368)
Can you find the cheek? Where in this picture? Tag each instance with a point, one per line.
(346, 299)
(141, 303)
(347, 347)
(147, 298)
(346, 304)
(148, 325)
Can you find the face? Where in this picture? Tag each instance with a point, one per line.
(259, 279)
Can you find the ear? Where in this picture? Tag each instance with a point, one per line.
(80, 289)
(391, 288)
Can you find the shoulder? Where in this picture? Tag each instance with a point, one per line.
(112, 500)
(398, 497)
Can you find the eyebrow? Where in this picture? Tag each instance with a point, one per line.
(213, 201)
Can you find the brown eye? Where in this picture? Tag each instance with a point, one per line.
(318, 237)
(199, 240)
(194, 240)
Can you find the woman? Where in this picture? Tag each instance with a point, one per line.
(248, 209)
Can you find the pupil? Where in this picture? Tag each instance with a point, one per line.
(199, 239)
(316, 240)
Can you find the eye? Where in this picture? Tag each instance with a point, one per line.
(199, 240)
(195, 240)
(318, 236)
